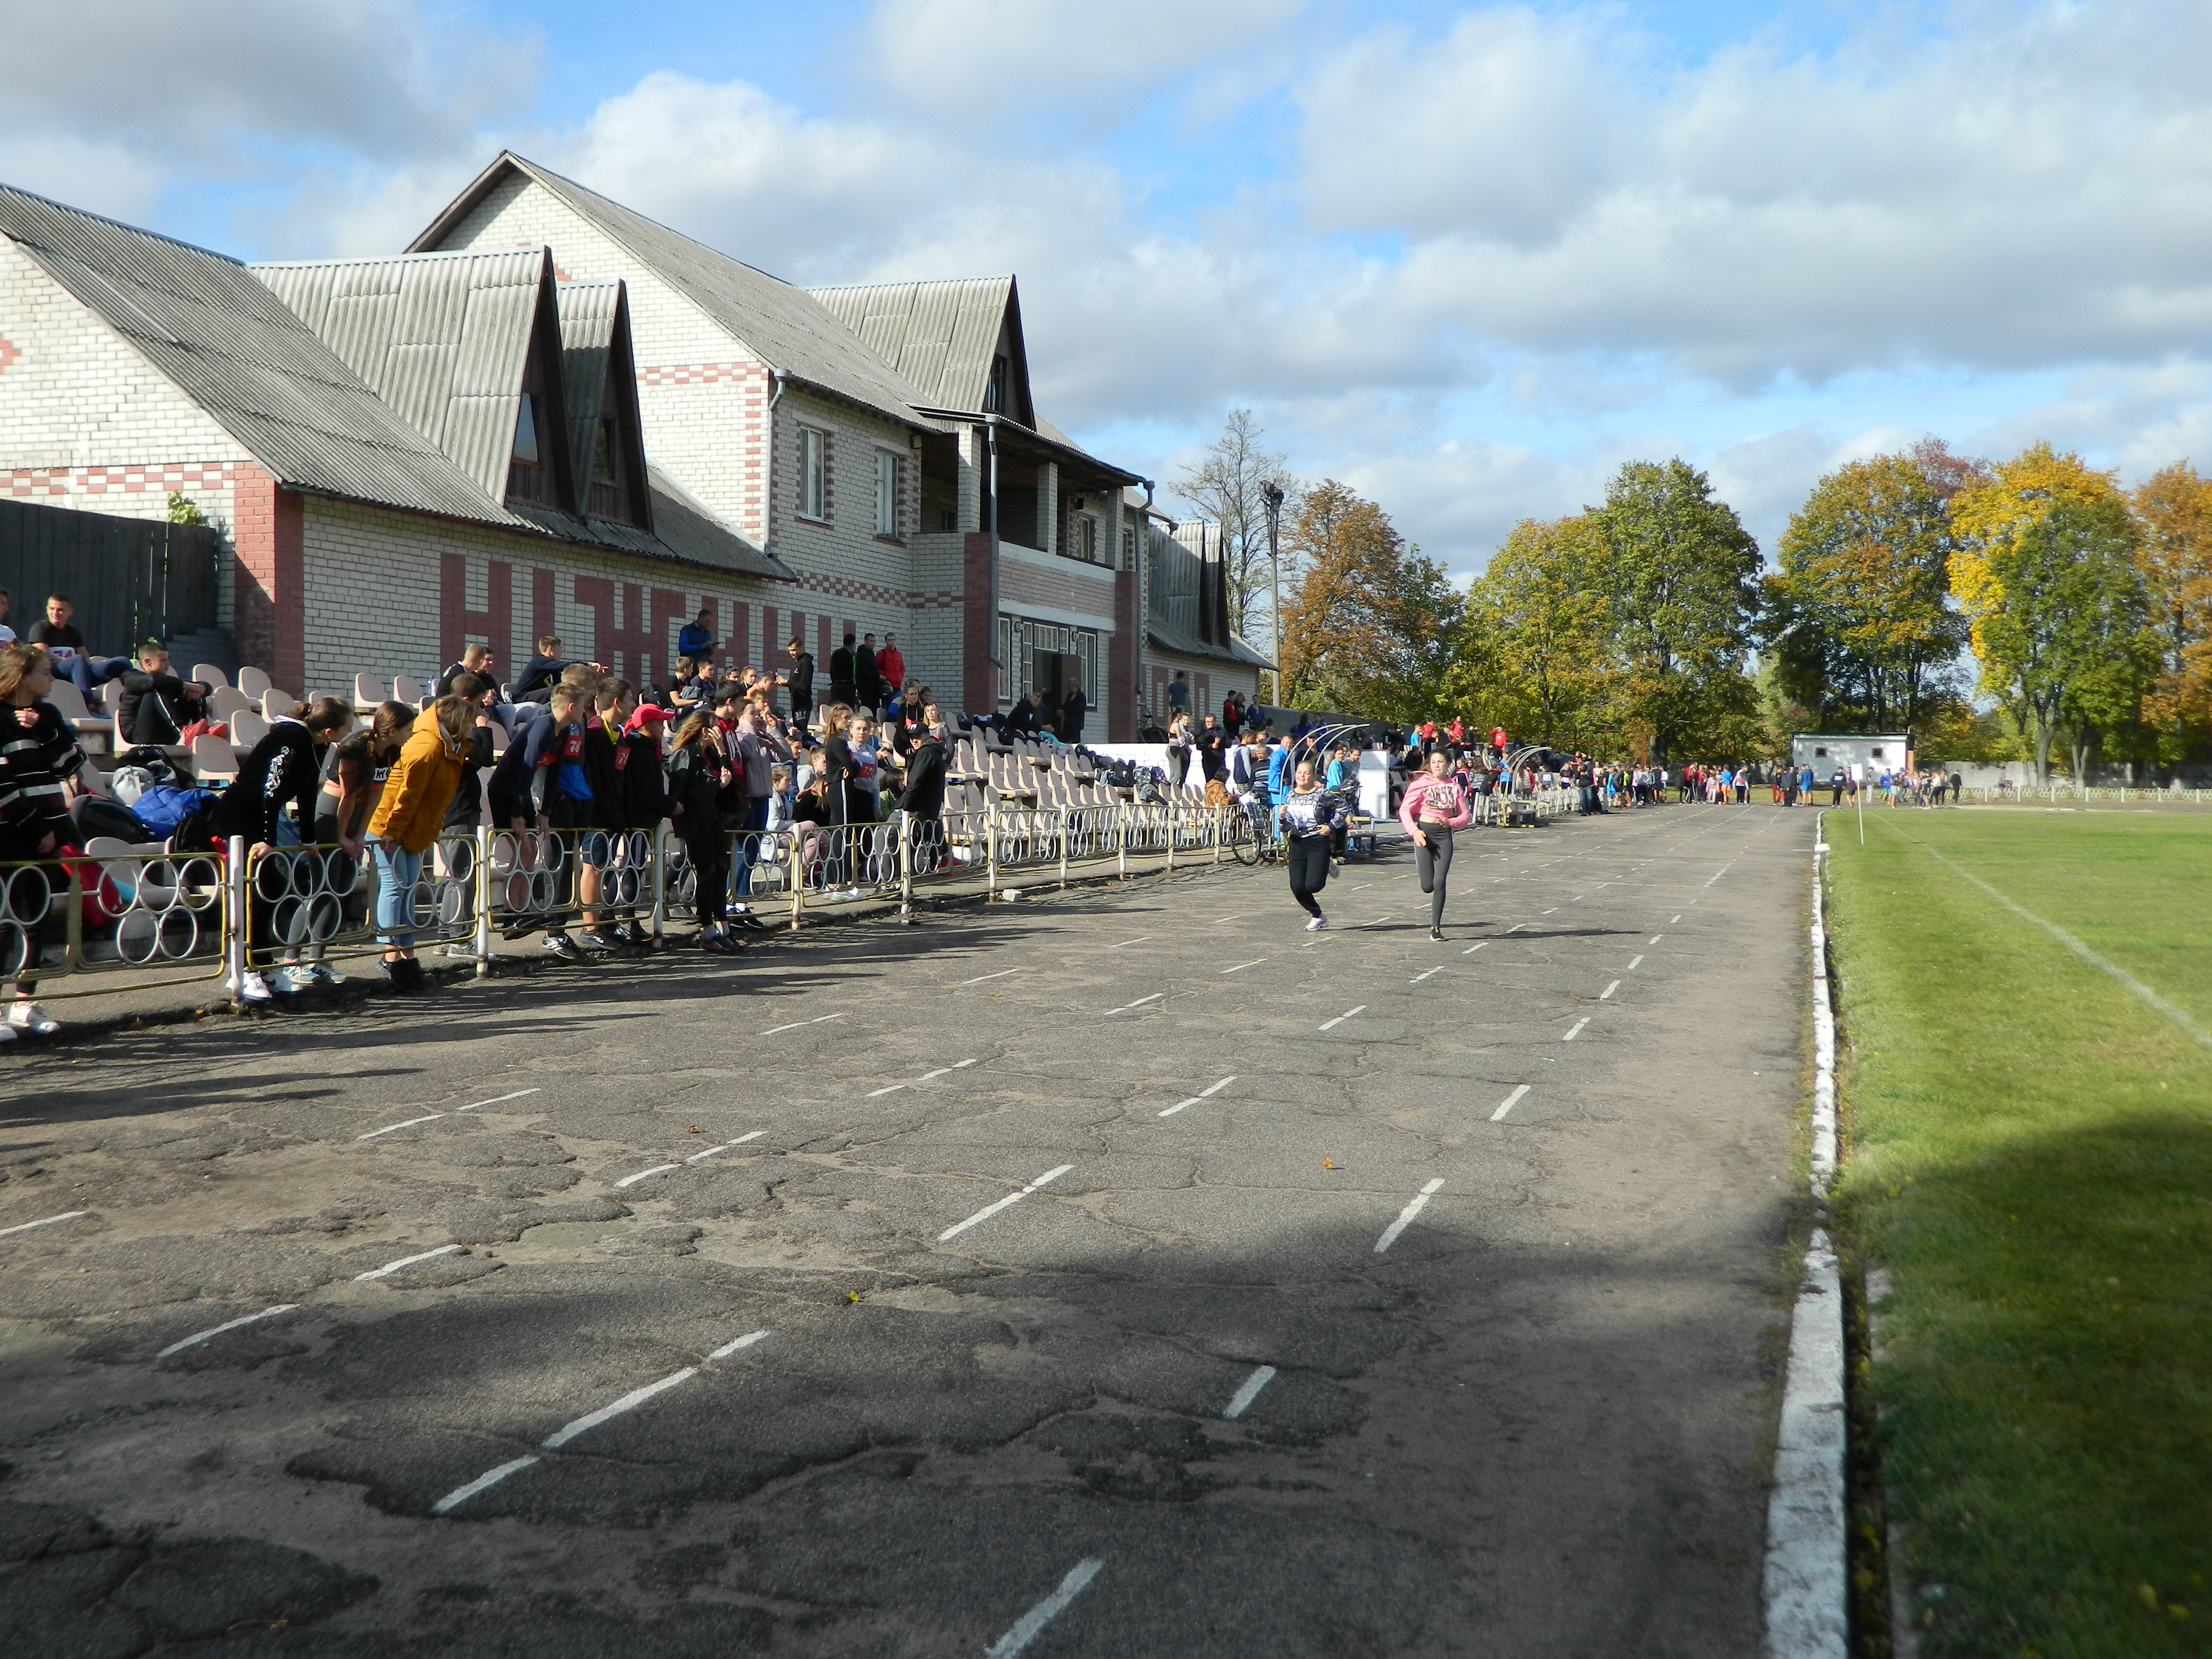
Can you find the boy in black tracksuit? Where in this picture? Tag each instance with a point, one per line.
(606, 764)
(283, 770)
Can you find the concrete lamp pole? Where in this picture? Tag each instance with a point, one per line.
(1273, 496)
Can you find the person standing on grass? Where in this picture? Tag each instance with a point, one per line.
(405, 825)
(1435, 804)
(1308, 815)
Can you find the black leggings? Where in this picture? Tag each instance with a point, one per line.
(710, 870)
(1434, 862)
(1308, 856)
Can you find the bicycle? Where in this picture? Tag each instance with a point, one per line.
(1252, 837)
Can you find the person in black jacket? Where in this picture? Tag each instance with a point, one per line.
(1070, 716)
(156, 705)
(923, 800)
(284, 769)
(844, 674)
(801, 681)
(868, 674)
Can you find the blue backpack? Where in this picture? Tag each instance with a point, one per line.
(164, 806)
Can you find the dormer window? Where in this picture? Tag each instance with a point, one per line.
(525, 432)
(528, 478)
(994, 394)
(606, 495)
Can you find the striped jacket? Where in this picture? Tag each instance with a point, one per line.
(37, 751)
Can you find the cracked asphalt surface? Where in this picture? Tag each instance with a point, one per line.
(1538, 1423)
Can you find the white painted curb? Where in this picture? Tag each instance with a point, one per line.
(1807, 1586)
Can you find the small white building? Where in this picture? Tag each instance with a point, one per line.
(1876, 751)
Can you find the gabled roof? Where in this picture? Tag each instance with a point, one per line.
(229, 344)
(780, 323)
(942, 335)
(443, 338)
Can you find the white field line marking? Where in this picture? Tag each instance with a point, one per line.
(1634, 962)
(1405, 1216)
(962, 1065)
(1241, 966)
(1670, 923)
(1546, 913)
(490, 1478)
(630, 1402)
(1606, 993)
(197, 1337)
(1358, 925)
(1472, 948)
(43, 1221)
(1140, 939)
(1343, 1017)
(1417, 978)
(1516, 927)
(1025, 1628)
(494, 1100)
(1201, 1095)
(1241, 1401)
(701, 1157)
(2187, 1023)
(1139, 1003)
(1578, 1029)
(796, 1023)
(1511, 1101)
(981, 978)
(889, 1089)
(745, 1341)
(1718, 874)
(389, 1127)
(1011, 1198)
(1805, 1591)
(391, 1267)
(647, 1175)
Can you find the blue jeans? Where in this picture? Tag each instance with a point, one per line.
(397, 873)
(748, 851)
(86, 672)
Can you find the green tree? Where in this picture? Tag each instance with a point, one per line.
(1683, 583)
(1366, 627)
(2046, 569)
(1859, 617)
(1542, 614)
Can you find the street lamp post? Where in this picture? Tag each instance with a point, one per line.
(1273, 495)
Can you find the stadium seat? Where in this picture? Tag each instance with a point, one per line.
(274, 703)
(252, 681)
(213, 762)
(248, 728)
(407, 690)
(368, 691)
(208, 675)
(227, 702)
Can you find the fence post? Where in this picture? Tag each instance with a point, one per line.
(484, 900)
(660, 881)
(991, 849)
(906, 865)
(798, 874)
(233, 919)
(1121, 840)
(72, 925)
(1170, 815)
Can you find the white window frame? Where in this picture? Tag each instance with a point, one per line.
(813, 474)
(887, 483)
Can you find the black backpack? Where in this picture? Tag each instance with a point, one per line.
(195, 832)
(96, 815)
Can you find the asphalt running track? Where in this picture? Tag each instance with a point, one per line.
(1119, 1273)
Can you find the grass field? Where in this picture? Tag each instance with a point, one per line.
(2030, 1155)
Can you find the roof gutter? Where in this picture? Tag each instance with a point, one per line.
(1030, 436)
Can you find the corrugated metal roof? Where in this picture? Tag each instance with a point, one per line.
(234, 349)
(941, 336)
(780, 323)
(443, 338)
(588, 314)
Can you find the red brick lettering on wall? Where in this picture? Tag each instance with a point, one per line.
(457, 624)
(740, 635)
(624, 649)
(544, 618)
(268, 598)
(670, 613)
(821, 654)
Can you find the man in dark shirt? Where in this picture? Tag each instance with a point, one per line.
(156, 705)
(66, 647)
(800, 680)
(696, 639)
(842, 667)
(867, 675)
(543, 671)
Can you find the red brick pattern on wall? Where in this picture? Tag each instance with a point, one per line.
(979, 687)
(494, 624)
(626, 649)
(268, 600)
(41, 484)
(544, 619)
(671, 611)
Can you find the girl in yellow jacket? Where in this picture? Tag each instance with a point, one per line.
(405, 826)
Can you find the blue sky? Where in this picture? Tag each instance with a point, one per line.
(1468, 259)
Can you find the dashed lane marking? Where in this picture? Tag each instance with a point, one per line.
(796, 1023)
(1139, 1003)
(1343, 1017)
(1241, 966)
(1405, 1216)
(1606, 993)
(1654, 939)
(1472, 948)
(198, 1337)
(1010, 1200)
(1201, 1095)
(1672, 920)
(1417, 978)
(1241, 1401)
(647, 1175)
(1576, 1031)
(394, 1128)
(43, 1221)
(496, 1100)
(1025, 1628)
(944, 1070)
(1516, 927)
(981, 978)
(1508, 1103)
(391, 1267)
(1634, 962)
(1140, 939)
(701, 1157)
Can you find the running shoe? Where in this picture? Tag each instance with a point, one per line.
(27, 1016)
(1316, 924)
(595, 942)
(460, 952)
(396, 971)
(250, 987)
(719, 944)
(279, 981)
(1437, 933)
(633, 932)
(561, 948)
(326, 974)
(290, 979)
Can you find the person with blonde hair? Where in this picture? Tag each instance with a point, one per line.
(405, 826)
(40, 762)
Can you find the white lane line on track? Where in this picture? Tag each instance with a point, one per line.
(1025, 1628)
(490, 1478)
(390, 1128)
(1241, 1401)
(745, 1341)
(1011, 1198)
(474, 1104)
(1509, 1103)
(796, 1023)
(647, 1175)
(1472, 948)
(1343, 1017)
(1634, 962)
(1241, 966)
(1672, 923)
(43, 1221)
(889, 1089)
(1405, 1216)
(701, 1157)
(1139, 1003)
(1140, 939)
(1576, 1031)
(1545, 913)
(981, 978)
(1359, 925)
(1516, 927)
(1202, 1094)
(1654, 939)
(198, 1337)
(1606, 993)
(391, 1267)
(1417, 978)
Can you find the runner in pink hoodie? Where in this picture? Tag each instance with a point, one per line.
(1436, 804)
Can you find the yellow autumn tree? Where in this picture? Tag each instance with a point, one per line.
(1366, 629)
(2174, 507)
(2043, 563)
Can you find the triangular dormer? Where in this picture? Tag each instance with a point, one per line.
(960, 342)
(600, 377)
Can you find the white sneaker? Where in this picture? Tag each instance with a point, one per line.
(1316, 924)
(252, 988)
(29, 1017)
(6, 1033)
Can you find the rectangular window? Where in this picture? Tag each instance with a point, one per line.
(1086, 539)
(813, 473)
(887, 481)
